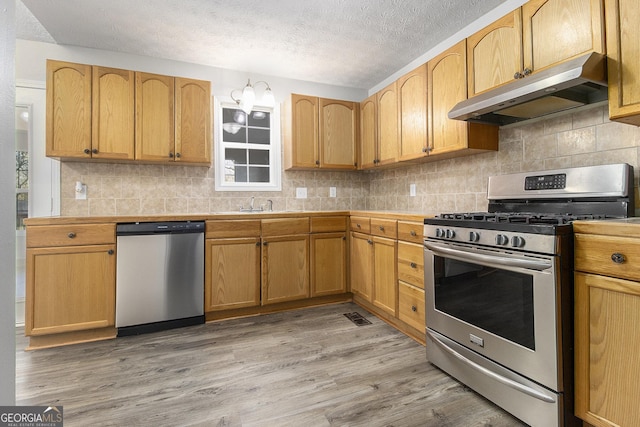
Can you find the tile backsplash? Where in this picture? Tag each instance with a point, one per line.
(578, 139)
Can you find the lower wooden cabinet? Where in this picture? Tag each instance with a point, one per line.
(362, 265)
(384, 274)
(411, 305)
(328, 263)
(285, 268)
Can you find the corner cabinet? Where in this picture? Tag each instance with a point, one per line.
(447, 85)
(623, 52)
(100, 113)
(531, 38)
(70, 284)
(607, 320)
(320, 133)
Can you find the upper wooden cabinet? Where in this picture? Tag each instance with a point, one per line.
(111, 114)
(533, 38)
(320, 133)
(412, 114)
(623, 52)
(447, 86)
(89, 111)
(388, 126)
(155, 131)
(368, 132)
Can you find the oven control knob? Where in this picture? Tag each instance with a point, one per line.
(501, 240)
(439, 232)
(474, 236)
(517, 241)
(450, 234)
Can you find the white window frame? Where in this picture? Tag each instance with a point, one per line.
(275, 163)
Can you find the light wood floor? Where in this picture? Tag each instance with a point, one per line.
(303, 368)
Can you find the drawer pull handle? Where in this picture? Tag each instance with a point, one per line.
(413, 265)
(413, 233)
(71, 235)
(618, 258)
(414, 308)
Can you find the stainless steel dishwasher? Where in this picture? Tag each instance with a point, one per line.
(159, 276)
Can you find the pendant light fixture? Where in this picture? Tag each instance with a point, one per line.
(248, 97)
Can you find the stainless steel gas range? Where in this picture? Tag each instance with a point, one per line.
(499, 286)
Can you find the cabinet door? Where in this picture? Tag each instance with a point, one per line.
(368, 132)
(607, 319)
(388, 131)
(412, 107)
(547, 37)
(361, 264)
(285, 268)
(447, 86)
(623, 52)
(495, 53)
(113, 114)
(384, 274)
(155, 136)
(304, 131)
(232, 273)
(70, 289)
(193, 121)
(338, 134)
(68, 109)
(328, 264)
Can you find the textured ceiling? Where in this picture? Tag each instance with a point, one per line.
(353, 43)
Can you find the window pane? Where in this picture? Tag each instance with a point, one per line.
(236, 155)
(22, 209)
(259, 136)
(230, 115)
(258, 174)
(241, 174)
(260, 119)
(259, 157)
(22, 170)
(233, 132)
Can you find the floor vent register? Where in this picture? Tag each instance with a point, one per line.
(357, 318)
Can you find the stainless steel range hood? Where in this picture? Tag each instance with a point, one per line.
(575, 83)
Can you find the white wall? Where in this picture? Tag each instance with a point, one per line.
(7, 206)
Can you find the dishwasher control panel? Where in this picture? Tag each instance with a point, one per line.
(160, 227)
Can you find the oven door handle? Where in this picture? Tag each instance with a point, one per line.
(506, 381)
(500, 260)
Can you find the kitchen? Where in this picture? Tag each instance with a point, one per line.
(449, 185)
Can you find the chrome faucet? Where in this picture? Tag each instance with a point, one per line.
(270, 205)
(251, 202)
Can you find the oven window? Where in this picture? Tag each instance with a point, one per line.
(498, 301)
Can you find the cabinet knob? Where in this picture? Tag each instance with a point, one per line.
(110, 251)
(618, 258)
(344, 237)
(369, 241)
(258, 244)
(518, 75)
(94, 151)
(71, 235)
(527, 72)
(178, 155)
(413, 233)
(414, 308)
(265, 244)
(171, 155)
(317, 162)
(86, 151)
(425, 149)
(358, 226)
(381, 228)
(413, 265)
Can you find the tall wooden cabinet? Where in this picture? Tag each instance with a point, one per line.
(70, 283)
(110, 114)
(447, 85)
(623, 52)
(533, 38)
(320, 133)
(607, 320)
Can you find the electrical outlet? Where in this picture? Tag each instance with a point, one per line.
(332, 191)
(412, 190)
(301, 192)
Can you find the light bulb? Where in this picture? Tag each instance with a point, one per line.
(268, 99)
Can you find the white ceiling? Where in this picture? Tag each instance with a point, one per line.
(352, 43)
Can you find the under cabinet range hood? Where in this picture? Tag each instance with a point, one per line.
(571, 84)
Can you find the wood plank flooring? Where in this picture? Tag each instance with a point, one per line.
(302, 368)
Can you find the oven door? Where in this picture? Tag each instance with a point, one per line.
(501, 304)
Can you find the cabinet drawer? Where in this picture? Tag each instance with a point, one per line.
(595, 254)
(411, 306)
(284, 226)
(328, 224)
(411, 263)
(233, 228)
(384, 227)
(410, 231)
(361, 224)
(70, 235)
